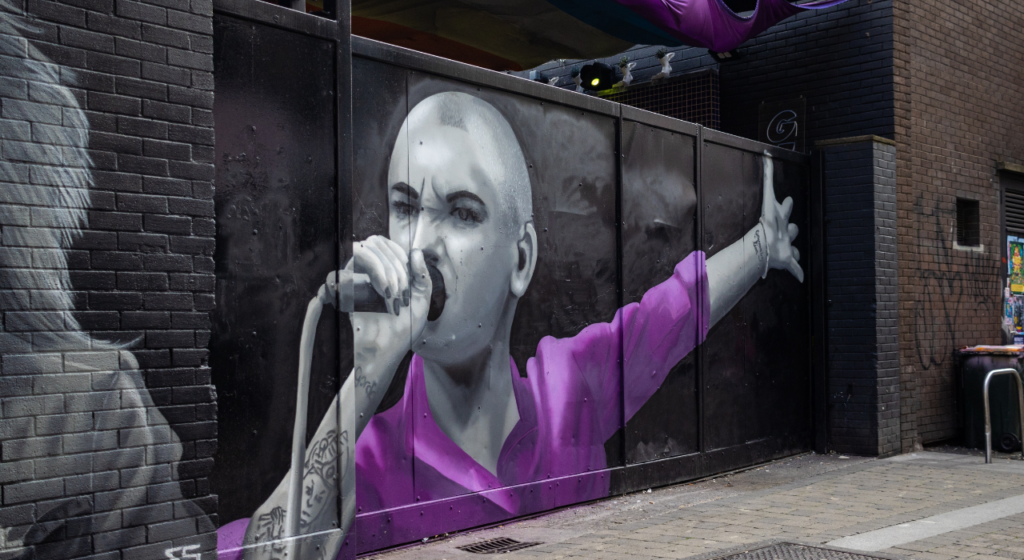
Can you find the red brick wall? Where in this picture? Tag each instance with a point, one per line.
(959, 95)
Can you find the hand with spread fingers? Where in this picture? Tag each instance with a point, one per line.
(769, 244)
(782, 255)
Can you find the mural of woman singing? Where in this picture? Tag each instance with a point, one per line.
(461, 215)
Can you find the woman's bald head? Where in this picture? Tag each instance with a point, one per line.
(495, 147)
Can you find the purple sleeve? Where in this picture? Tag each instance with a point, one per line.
(229, 539)
(668, 323)
(577, 380)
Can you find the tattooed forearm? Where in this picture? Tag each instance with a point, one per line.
(269, 531)
(320, 481)
(370, 387)
(760, 248)
(327, 458)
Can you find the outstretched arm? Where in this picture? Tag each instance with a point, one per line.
(735, 269)
(674, 316)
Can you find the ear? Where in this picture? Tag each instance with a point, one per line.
(526, 260)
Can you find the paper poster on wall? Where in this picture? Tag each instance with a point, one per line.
(1015, 313)
(1015, 263)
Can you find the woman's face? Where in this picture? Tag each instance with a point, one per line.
(444, 199)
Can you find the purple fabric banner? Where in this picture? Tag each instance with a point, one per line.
(699, 23)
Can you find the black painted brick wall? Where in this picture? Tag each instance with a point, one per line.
(839, 59)
(142, 277)
(863, 348)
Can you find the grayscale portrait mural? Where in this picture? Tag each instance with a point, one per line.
(514, 349)
(90, 460)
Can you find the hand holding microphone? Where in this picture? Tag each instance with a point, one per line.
(365, 284)
(389, 297)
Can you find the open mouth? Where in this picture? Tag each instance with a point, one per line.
(437, 293)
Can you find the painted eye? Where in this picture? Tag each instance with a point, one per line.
(467, 215)
(403, 208)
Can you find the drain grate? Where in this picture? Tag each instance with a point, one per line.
(496, 546)
(790, 551)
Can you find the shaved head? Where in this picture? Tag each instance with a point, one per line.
(495, 143)
(459, 191)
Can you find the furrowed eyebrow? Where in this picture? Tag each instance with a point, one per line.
(406, 190)
(464, 194)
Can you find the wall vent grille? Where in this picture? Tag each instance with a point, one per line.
(968, 223)
(1014, 212)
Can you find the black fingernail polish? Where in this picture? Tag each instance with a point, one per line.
(387, 293)
(396, 307)
(406, 294)
(405, 301)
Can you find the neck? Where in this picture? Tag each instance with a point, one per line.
(472, 400)
(472, 381)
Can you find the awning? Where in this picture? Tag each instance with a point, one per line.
(519, 34)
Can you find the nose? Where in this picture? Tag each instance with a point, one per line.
(428, 239)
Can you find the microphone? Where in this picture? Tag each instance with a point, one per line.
(367, 300)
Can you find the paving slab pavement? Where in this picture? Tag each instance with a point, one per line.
(811, 499)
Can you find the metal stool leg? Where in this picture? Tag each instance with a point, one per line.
(988, 414)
